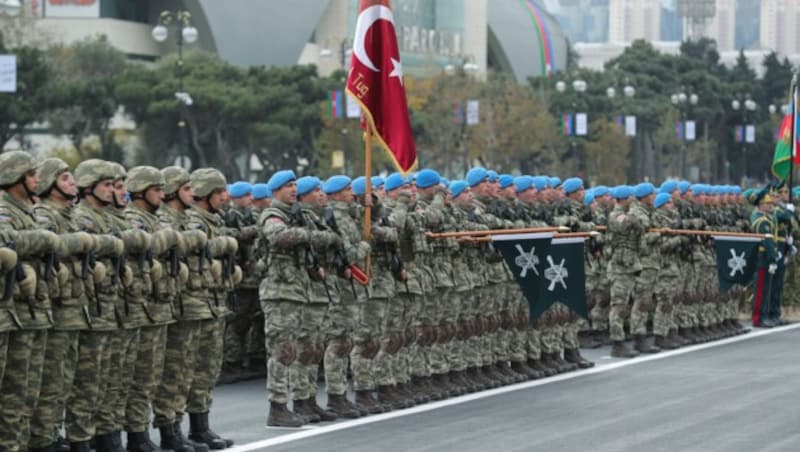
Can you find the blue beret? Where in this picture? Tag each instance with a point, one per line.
(735, 190)
(377, 181)
(554, 182)
(643, 189)
(239, 189)
(523, 183)
(307, 184)
(540, 182)
(588, 198)
(428, 178)
(506, 180)
(457, 187)
(696, 189)
(572, 184)
(492, 175)
(622, 192)
(600, 190)
(476, 175)
(661, 199)
(445, 181)
(261, 191)
(394, 181)
(280, 179)
(335, 184)
(668, 186)
(359, 185)
(683, 186)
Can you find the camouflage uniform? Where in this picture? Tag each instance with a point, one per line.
(30, 307)
(667, 286)
(597, 281)
(70, 310)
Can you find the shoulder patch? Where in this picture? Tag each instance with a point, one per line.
(5, 218)
(87, 222)
(137, 223)
(275, 219)
(195, 225)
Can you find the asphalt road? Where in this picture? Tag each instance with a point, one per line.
(736, 396)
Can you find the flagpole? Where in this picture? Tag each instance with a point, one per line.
(793, 142)
(368, 191)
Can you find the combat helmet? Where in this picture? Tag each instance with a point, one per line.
(119, 171)
(141, 178)
(49, 170)
(89, 172)
(206, 180)
(174, 178)
(13, 167)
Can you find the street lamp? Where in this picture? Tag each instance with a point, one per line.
(184, 33)
(680, 101)
(745, 104)
(10, 7)
(611, 92)
(629, 91)
(579, 86)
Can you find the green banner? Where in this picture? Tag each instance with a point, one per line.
(736, 260)
(564, 277)
(526, 255)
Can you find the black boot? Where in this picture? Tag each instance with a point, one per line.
(116, 440)
(644, 346)
(137, 442)
(104, 443)
(324, 415)
(365, 400)
(200, 432)
(620, 350)
(80, 446)
(198, 447)
(170, 441)
(573, 355)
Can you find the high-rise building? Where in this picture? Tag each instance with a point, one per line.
(629, 20)
(780, 26)
(721, 27)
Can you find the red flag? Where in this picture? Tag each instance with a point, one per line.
(376, 82)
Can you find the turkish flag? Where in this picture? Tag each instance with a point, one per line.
(376, 82)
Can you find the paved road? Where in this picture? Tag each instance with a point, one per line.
(735, 397)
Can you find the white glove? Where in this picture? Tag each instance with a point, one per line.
(772, 269)
(790, 207)
(793, 251)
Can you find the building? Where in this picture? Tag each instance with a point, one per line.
(513, 36)
(721, 27)
(629, 20)
(780, 26)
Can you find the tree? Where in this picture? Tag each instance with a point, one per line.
(606, 154)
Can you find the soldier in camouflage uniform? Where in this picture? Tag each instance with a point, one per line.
(669, 273)
(146, 187)
(210, 284)
(94, 179)
(597, 281)
(240, 219)
(56, 191)
(183, 335)
(255, 353)
(29, 305)
(649, 260)
(8, 263)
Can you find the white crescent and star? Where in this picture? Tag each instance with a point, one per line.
(366, 19)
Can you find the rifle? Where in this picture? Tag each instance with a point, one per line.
(339, 255)
(311, 260)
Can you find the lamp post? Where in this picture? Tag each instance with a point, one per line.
(744, 104)
(580, 87)
(683, 102)
(184, 33)
(10, 7)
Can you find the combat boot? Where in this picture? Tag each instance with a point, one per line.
(536, 365)
(463, 381)
(442, 383)
(620, 350)
(80, 446)
(339, 405)
(364, 399)
(474, 379)
(413, 394)
(677, 339)
(522, 367)
(198, 447)
(302, 408)
(434, 390)
(387, 396)
(700, 334)
(137, 442)
(688, 335)
(664, 343)
(573, 355)
(507, 370)
(280, 416)
(563, 365)
(587, 339)
(549, 363)
(324, 415)
(496, 377)
(170, 441)
(643, 345)
(200, 432)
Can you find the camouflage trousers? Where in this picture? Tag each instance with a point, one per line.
(443, 313)
(533, 342)
(456, 346)
(665, 293)
(147, 373)
(417, 351)
(237, 328)
(14, 390)
(281, 323)
(792, 285)
(60, 360)
(366, 344)
(34, 386)
(472, 318)
(518, 310)
(179, 356)
(552, 339)
(401, 362)
(118, 365)
(686, 315)
(490, 309)
(207, 366)
(569, 331)
(342, 320)
(83, 400)
(254, 347)
(311, 333)
(3, 353)
(392, 334)
(643, 301)
(598, 291)
(622, 287)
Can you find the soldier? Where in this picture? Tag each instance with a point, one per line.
(625, 233)
(209, 194)
(254, 344)
(649, 260)
(30, 306)
(146, 187)
(784, 214)
(597, 281)
(57, 190)
(669, 272)
(183, 335)
(240, 219)
(762, 221)
(95, 181)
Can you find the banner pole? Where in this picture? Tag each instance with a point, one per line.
(368, 192)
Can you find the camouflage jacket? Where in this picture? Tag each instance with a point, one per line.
(158, 304)
(626, 228)
(670, 247)
(415, 250)
(288, 247)
(319, 290)
(29, 310)
(202, 286)
(440, 262)
(385, 258)
(497, 271)
(649, 256)
(356, 250)
(574, 215)
(241, 224)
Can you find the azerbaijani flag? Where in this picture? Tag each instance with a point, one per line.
(738, 133)
(568, 124)
(335, 104)
(679, 133)
(785, 150)
(619, 120)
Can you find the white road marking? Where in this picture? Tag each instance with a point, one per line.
(301, 434)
